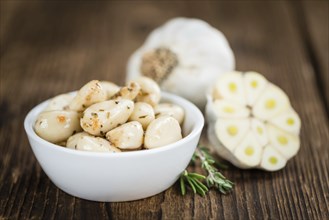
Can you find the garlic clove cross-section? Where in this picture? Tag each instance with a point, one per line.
(249, 151)
(230, 87)
(251, 122)
(231, 131)
(288, 121)
(270, 103)
(254, 85)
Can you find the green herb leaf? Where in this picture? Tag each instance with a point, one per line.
(214, 179)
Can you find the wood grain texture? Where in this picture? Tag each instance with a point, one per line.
(53, 47)
(314, 17)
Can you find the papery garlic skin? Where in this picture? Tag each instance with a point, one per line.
(251, 122)
(184, 56)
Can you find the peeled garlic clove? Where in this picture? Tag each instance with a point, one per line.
(72, 142)
(272, 160)
(60, 102)
(110, 88)
(285, 143)
(227, 109)
(162, 131)
(150, 91)
(169, 109)
(128, 136)
(254, 84)
(288, 120)
(270, 103)
(57, 126)
(143, 113)
(231, 131)
(128, 92)
(104, 116)
(230, 86)
(249, 151)
(90, 93)
(95, 144)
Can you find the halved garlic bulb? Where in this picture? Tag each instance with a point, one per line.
(183, 50)
(251, 122)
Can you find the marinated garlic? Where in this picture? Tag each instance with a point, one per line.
(60, 102)
(110, 119)
(128, 92)
(169, 109)
(128, 136)
(57, 126)
(162, 131)
(150, 91)
(89, 94)
(97, 144)
(110, 88)
(143, 113)
(104, 116)
(72, 142)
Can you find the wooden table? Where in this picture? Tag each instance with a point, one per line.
(54, 47)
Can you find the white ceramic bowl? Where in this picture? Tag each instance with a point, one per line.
(122, 176)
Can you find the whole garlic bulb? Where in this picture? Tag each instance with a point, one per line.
(184, 56)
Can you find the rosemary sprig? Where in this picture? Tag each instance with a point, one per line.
(194, 181)
(214, 179)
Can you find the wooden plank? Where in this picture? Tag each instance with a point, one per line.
(314, 22)
(50, 51)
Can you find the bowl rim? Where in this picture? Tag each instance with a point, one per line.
(196, 130)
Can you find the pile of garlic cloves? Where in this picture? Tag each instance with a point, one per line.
(104, 117)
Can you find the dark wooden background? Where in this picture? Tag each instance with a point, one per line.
(52, 47)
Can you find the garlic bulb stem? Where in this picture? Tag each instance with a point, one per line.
(158, 63)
